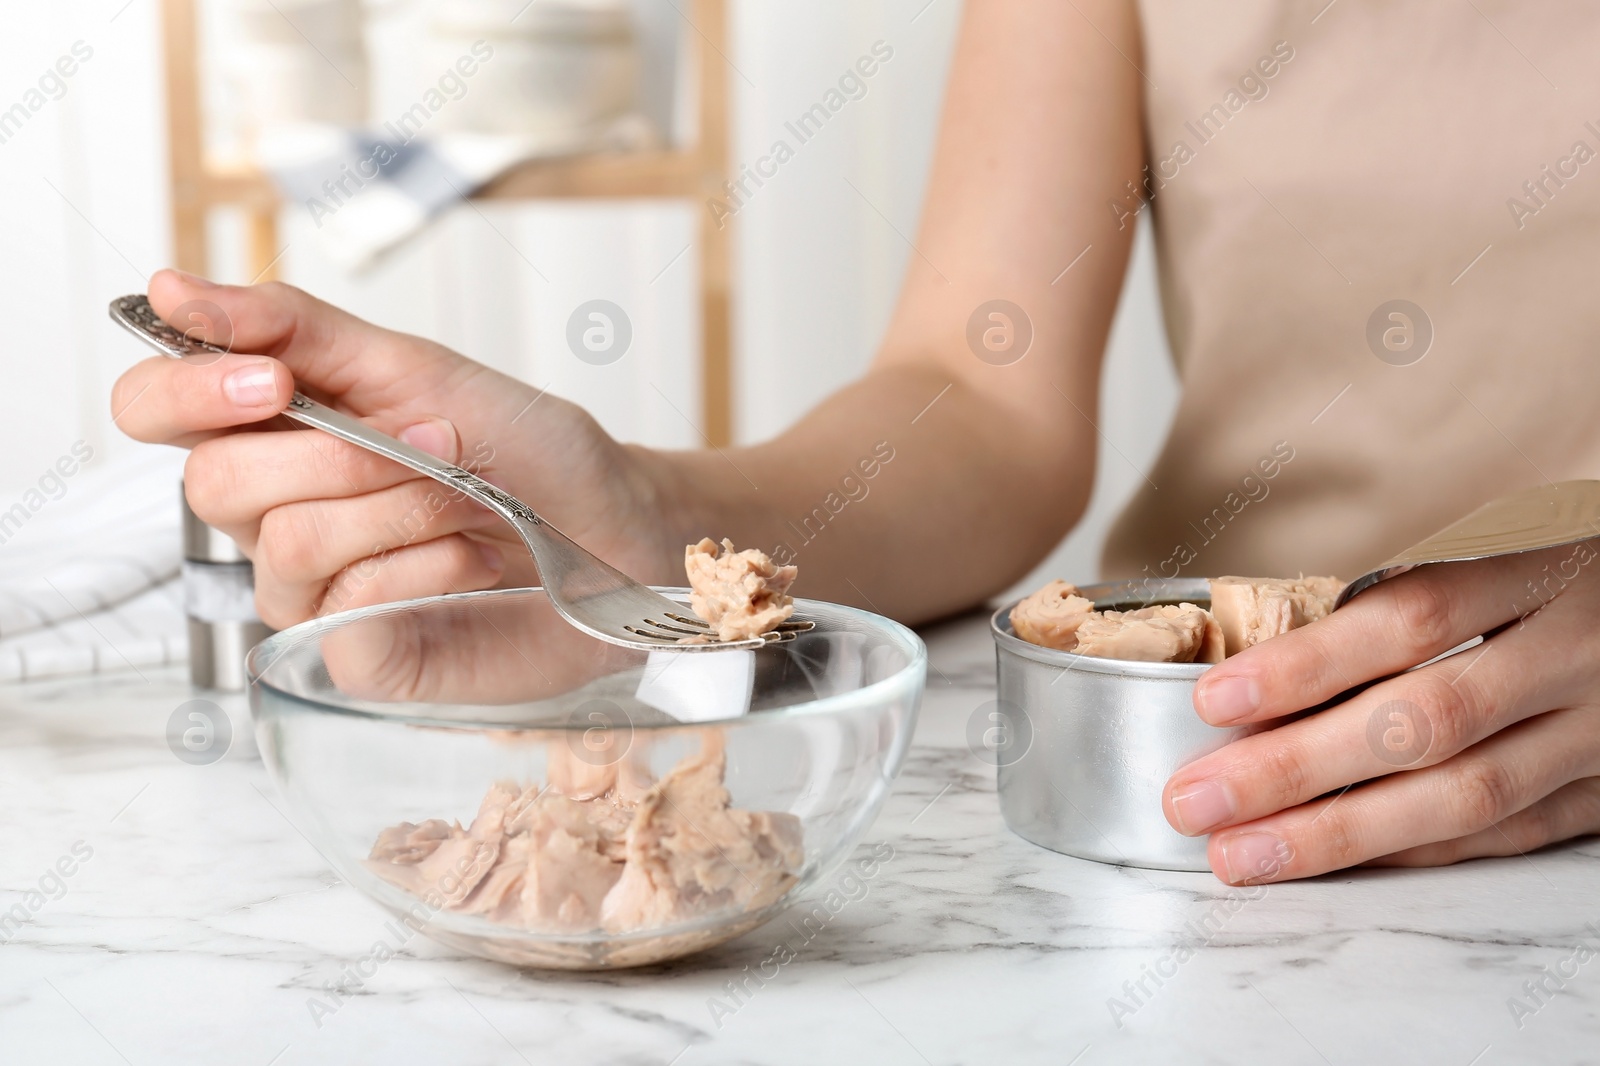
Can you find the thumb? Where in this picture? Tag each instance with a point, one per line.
(436, 436)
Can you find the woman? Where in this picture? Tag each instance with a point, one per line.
(1373, 224)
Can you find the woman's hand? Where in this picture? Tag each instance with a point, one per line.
(1493, 751)
(331, 526)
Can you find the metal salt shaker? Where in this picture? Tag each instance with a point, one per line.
(219, 600)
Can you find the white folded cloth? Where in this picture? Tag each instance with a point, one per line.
(89, 580)
(367, 193)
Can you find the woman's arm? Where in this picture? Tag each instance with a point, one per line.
(1041, 129)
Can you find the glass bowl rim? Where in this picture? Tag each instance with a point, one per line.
(894, 631)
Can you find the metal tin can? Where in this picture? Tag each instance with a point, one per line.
(1093, 741)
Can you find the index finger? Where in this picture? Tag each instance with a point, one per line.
(1391, 627)
(331, 350)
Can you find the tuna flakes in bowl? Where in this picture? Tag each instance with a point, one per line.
(509, 786)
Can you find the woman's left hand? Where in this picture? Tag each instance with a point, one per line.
(1493, 751)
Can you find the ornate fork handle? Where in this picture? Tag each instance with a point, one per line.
(135, 314)
(304, 409)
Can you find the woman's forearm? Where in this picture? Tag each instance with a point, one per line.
(904, 492)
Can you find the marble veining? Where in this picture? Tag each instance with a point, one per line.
(203, 926)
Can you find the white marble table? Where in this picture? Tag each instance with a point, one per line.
(201, 925)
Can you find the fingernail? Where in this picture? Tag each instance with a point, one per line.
(492, 556)
(1228, 699)
(1202, 807)
(436, 436)
(1254, 857)
(195, 280)
(252, 385)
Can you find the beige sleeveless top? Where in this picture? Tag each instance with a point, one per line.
(1379, 244)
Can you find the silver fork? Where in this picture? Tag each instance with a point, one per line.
(596, 598)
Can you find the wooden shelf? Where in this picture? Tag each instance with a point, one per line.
(636, 175)
(643, 174)
(696, 172)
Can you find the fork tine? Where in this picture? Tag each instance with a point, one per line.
(657, 637)
(675, 629)
(794, 625)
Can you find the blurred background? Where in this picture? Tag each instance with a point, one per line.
(199, 131)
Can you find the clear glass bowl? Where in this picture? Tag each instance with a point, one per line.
(412, 711)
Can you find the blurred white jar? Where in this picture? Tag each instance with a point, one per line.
(559, 69)
(298, 61)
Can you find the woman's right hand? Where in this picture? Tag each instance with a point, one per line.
(331, 526)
